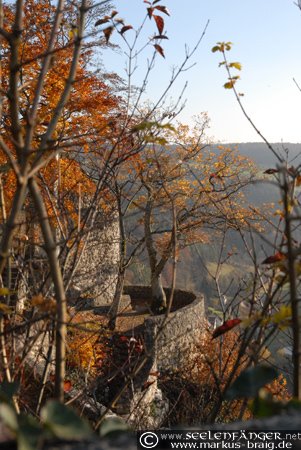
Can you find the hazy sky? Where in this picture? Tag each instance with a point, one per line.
(267, 41)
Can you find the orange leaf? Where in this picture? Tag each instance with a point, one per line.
(155, 374)
(146, 385)
(159, 49)
(159, 22)
(102, 21)
(163, 9)
(226, 326)
(67, 386)
(126, 28)
(107, 32)
(274, 258)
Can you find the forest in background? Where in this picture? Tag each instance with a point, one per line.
(193, 261)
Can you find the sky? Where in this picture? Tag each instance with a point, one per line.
(266, 36)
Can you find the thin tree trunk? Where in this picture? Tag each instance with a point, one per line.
(295, 301)
(55, 270)
(121, 273)
(12, 222)
(113, 313)
(158, 295)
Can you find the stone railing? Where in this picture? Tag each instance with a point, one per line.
(169, 340)
(168, 343)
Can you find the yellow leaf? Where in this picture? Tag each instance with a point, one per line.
(5, 291)
(283, 316)
(5, 309)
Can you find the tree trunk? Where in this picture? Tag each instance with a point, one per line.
(116, 301)
(121, 272)
(159, 303)
(59, 290)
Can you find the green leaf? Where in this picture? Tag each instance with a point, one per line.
(167, 126)
(149, 125)
(29, 433)
(236, 65)
(216, 48)
(64, 422)
(250, 381)
(265, 406)
(9, 416)
(294, 404)
(228, 45)
(155, 140)
(143, 126)
(112, 425)
(229, 84)
(8, 390)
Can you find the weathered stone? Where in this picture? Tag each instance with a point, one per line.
(97, 271)
(167, 343)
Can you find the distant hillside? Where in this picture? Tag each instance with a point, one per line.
(261, 155)
(198, 261)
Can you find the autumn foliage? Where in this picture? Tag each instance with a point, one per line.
(87, 346)
(194, 391)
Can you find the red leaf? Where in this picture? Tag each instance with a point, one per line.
(99, 362)
(271, 171)
(163, 9)
(226, 326)
(155, 374)
(107, 32)
(102, 21)
(67, 386)
(214, 175)
(146, 1)
(159, 50)
(159, 22)
(139, 348)
(114, 13)
(150, 11)
(160, 36)
(292, 171)
(156, 1)
(126, 28)
(274, 258)
(147, 384)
